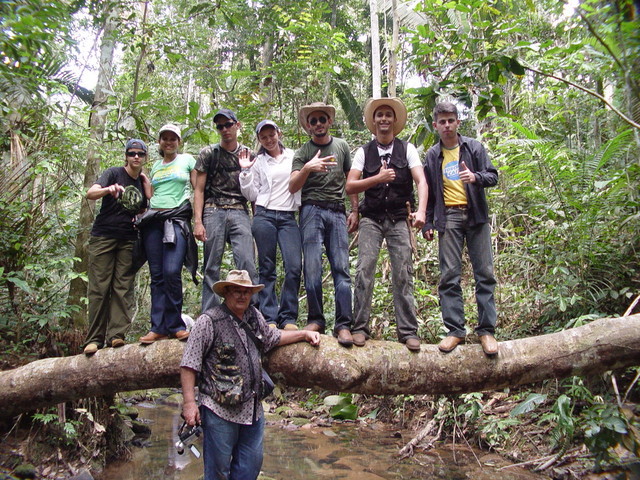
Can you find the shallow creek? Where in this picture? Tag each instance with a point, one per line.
(343, 451)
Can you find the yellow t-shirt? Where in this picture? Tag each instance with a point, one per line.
(454, 193)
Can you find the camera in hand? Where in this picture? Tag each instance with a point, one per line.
(187, 436)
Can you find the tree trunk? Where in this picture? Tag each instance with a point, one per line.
(393, 51)
(97, 122)
(376, 74)
(380, 368)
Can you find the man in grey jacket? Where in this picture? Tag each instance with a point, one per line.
(458, 170)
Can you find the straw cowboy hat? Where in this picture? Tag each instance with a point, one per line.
(394, 103)
(238, 278)
(307, 110)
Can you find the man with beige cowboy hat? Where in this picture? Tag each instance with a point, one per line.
(386, 169)
(319, 169)
(223, 353)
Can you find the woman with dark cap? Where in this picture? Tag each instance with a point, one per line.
(265, 181)
(167, 235)
(124, 192)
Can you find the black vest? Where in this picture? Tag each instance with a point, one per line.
(387, 198)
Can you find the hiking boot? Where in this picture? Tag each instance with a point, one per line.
(90, 349)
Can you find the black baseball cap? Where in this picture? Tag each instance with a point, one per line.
(225, 112)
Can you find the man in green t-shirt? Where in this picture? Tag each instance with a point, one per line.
(320, 169)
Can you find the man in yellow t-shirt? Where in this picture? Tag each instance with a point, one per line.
(458, 170)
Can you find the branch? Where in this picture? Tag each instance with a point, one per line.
(590, 92)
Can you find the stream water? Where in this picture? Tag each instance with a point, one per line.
(346, 452)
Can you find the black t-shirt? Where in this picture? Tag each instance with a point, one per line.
(114, 221)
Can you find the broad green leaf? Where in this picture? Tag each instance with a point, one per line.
(530, 403)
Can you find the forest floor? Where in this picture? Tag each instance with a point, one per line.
(32, 449)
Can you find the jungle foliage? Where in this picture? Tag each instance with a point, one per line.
(552, 89)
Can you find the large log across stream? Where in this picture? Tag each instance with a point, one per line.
(380, 368)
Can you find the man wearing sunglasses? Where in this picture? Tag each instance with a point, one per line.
(124, 192)
(220, 210)
(319, 169)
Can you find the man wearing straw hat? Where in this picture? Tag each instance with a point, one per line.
(320, 169)
(223, 353)
(386, 170)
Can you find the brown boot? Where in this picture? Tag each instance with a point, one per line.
(344, 337)
(314, 327)
(413, 344)
(152, 337)
(181, 335)
(449, 343)
(359, 339)
(489, 345)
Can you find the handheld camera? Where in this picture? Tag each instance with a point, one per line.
(187, 436)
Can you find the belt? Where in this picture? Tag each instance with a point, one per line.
(458, 207)
(335, 206)
(235, 206)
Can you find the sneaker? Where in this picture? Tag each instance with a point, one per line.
(91, 349)
(117, 343)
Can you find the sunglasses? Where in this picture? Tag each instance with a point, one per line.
(222, 126)
(313, 121)
(136, 154)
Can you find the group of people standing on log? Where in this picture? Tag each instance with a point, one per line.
(251, 201)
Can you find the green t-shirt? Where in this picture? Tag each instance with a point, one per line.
(171, 181)
(324, 186)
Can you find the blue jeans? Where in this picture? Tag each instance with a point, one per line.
(270, 229)
(224, 226)
(165, 265)
(323, 227)
(231, 451)
(451, 242)
(397, 235)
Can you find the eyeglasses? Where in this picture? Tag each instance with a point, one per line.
(222, 126)
(136, 154)
(313, 121)
(240, 292)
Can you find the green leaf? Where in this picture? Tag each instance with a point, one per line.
(142, 96)
(345, 412)
(531, 402)
(21, 284)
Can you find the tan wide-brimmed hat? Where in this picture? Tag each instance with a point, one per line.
(307, 110)
(394, 103)
(238, 278)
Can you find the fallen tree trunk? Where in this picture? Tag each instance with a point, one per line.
(380, 368)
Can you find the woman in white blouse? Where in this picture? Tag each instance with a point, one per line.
(265, 181)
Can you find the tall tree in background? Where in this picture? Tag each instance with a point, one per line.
(97, 123)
